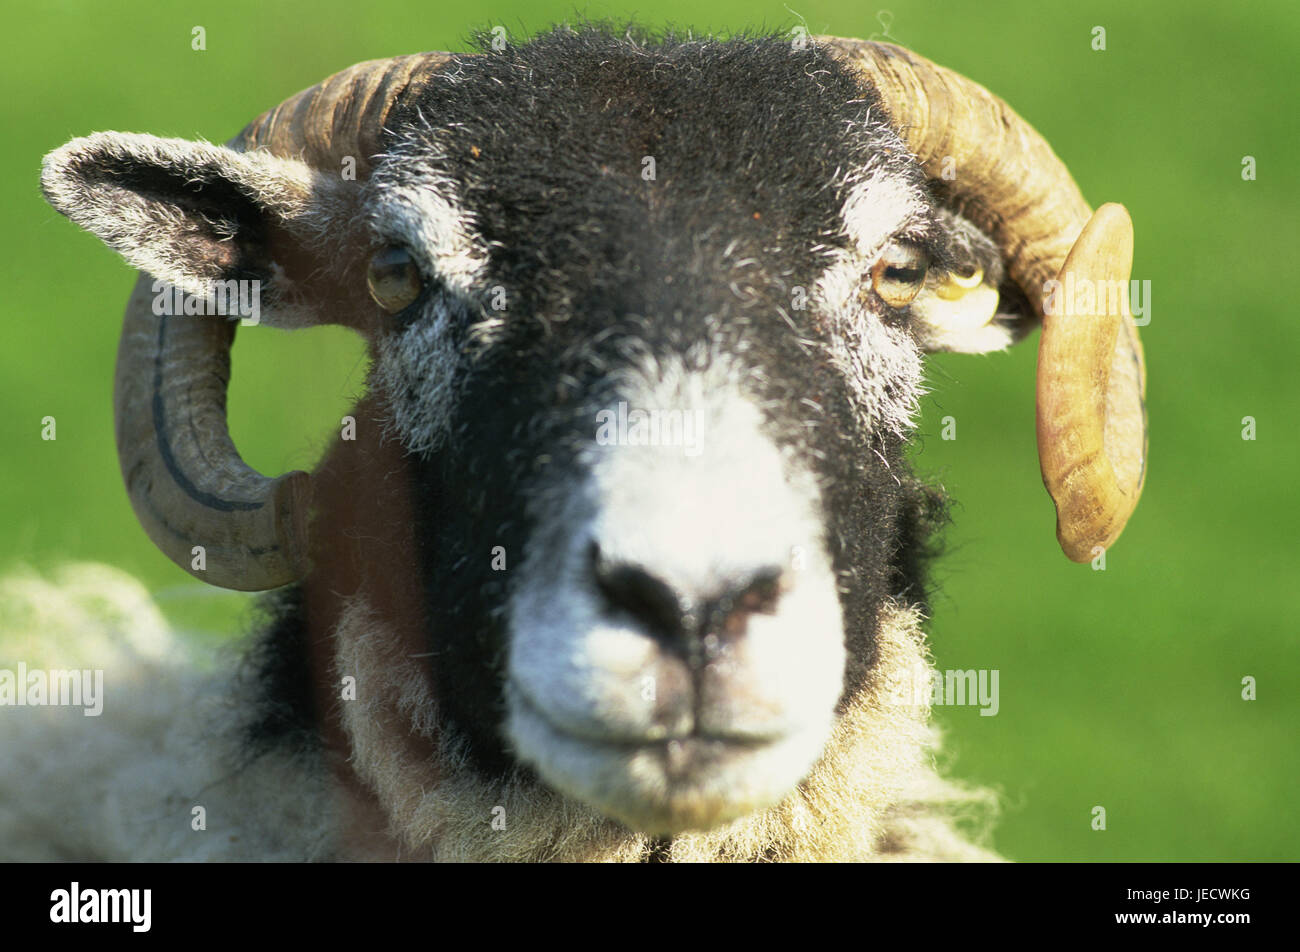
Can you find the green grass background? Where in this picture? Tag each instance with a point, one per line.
(1118, 688)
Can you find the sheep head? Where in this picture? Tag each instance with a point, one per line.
(647, 325)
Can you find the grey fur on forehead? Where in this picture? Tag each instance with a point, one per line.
(755, 147)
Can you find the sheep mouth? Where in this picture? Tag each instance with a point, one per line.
(664, 785)
(652, 739)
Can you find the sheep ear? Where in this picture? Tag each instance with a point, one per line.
(968, 306)
(190, 212)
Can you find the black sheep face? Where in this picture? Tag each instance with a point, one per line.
(653, 373)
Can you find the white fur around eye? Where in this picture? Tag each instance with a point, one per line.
(875, 210)
(882, 363)
(419, 207)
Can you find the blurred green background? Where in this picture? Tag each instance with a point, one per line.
(1119, 688)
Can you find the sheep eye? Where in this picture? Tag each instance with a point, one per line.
(900, 273)
(394, 279)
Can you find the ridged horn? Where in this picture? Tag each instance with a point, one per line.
(1092, 428)
(185, 478)
(1092, 425)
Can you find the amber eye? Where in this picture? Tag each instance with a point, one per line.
(394, 279)
(900, 273)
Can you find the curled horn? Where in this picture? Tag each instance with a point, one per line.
(1091, 410)
(186, 480)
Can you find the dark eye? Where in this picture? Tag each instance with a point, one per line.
(394, 279)
(900, 273)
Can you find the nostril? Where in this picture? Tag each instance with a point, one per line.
(629, 588)
(729, 615)
(721, 612)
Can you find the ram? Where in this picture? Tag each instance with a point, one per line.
(622, 557)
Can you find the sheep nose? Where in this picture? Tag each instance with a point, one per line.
(686, 622)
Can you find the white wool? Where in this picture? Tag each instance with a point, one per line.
(123, 786)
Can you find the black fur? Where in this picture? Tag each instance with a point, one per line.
(276, 672)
